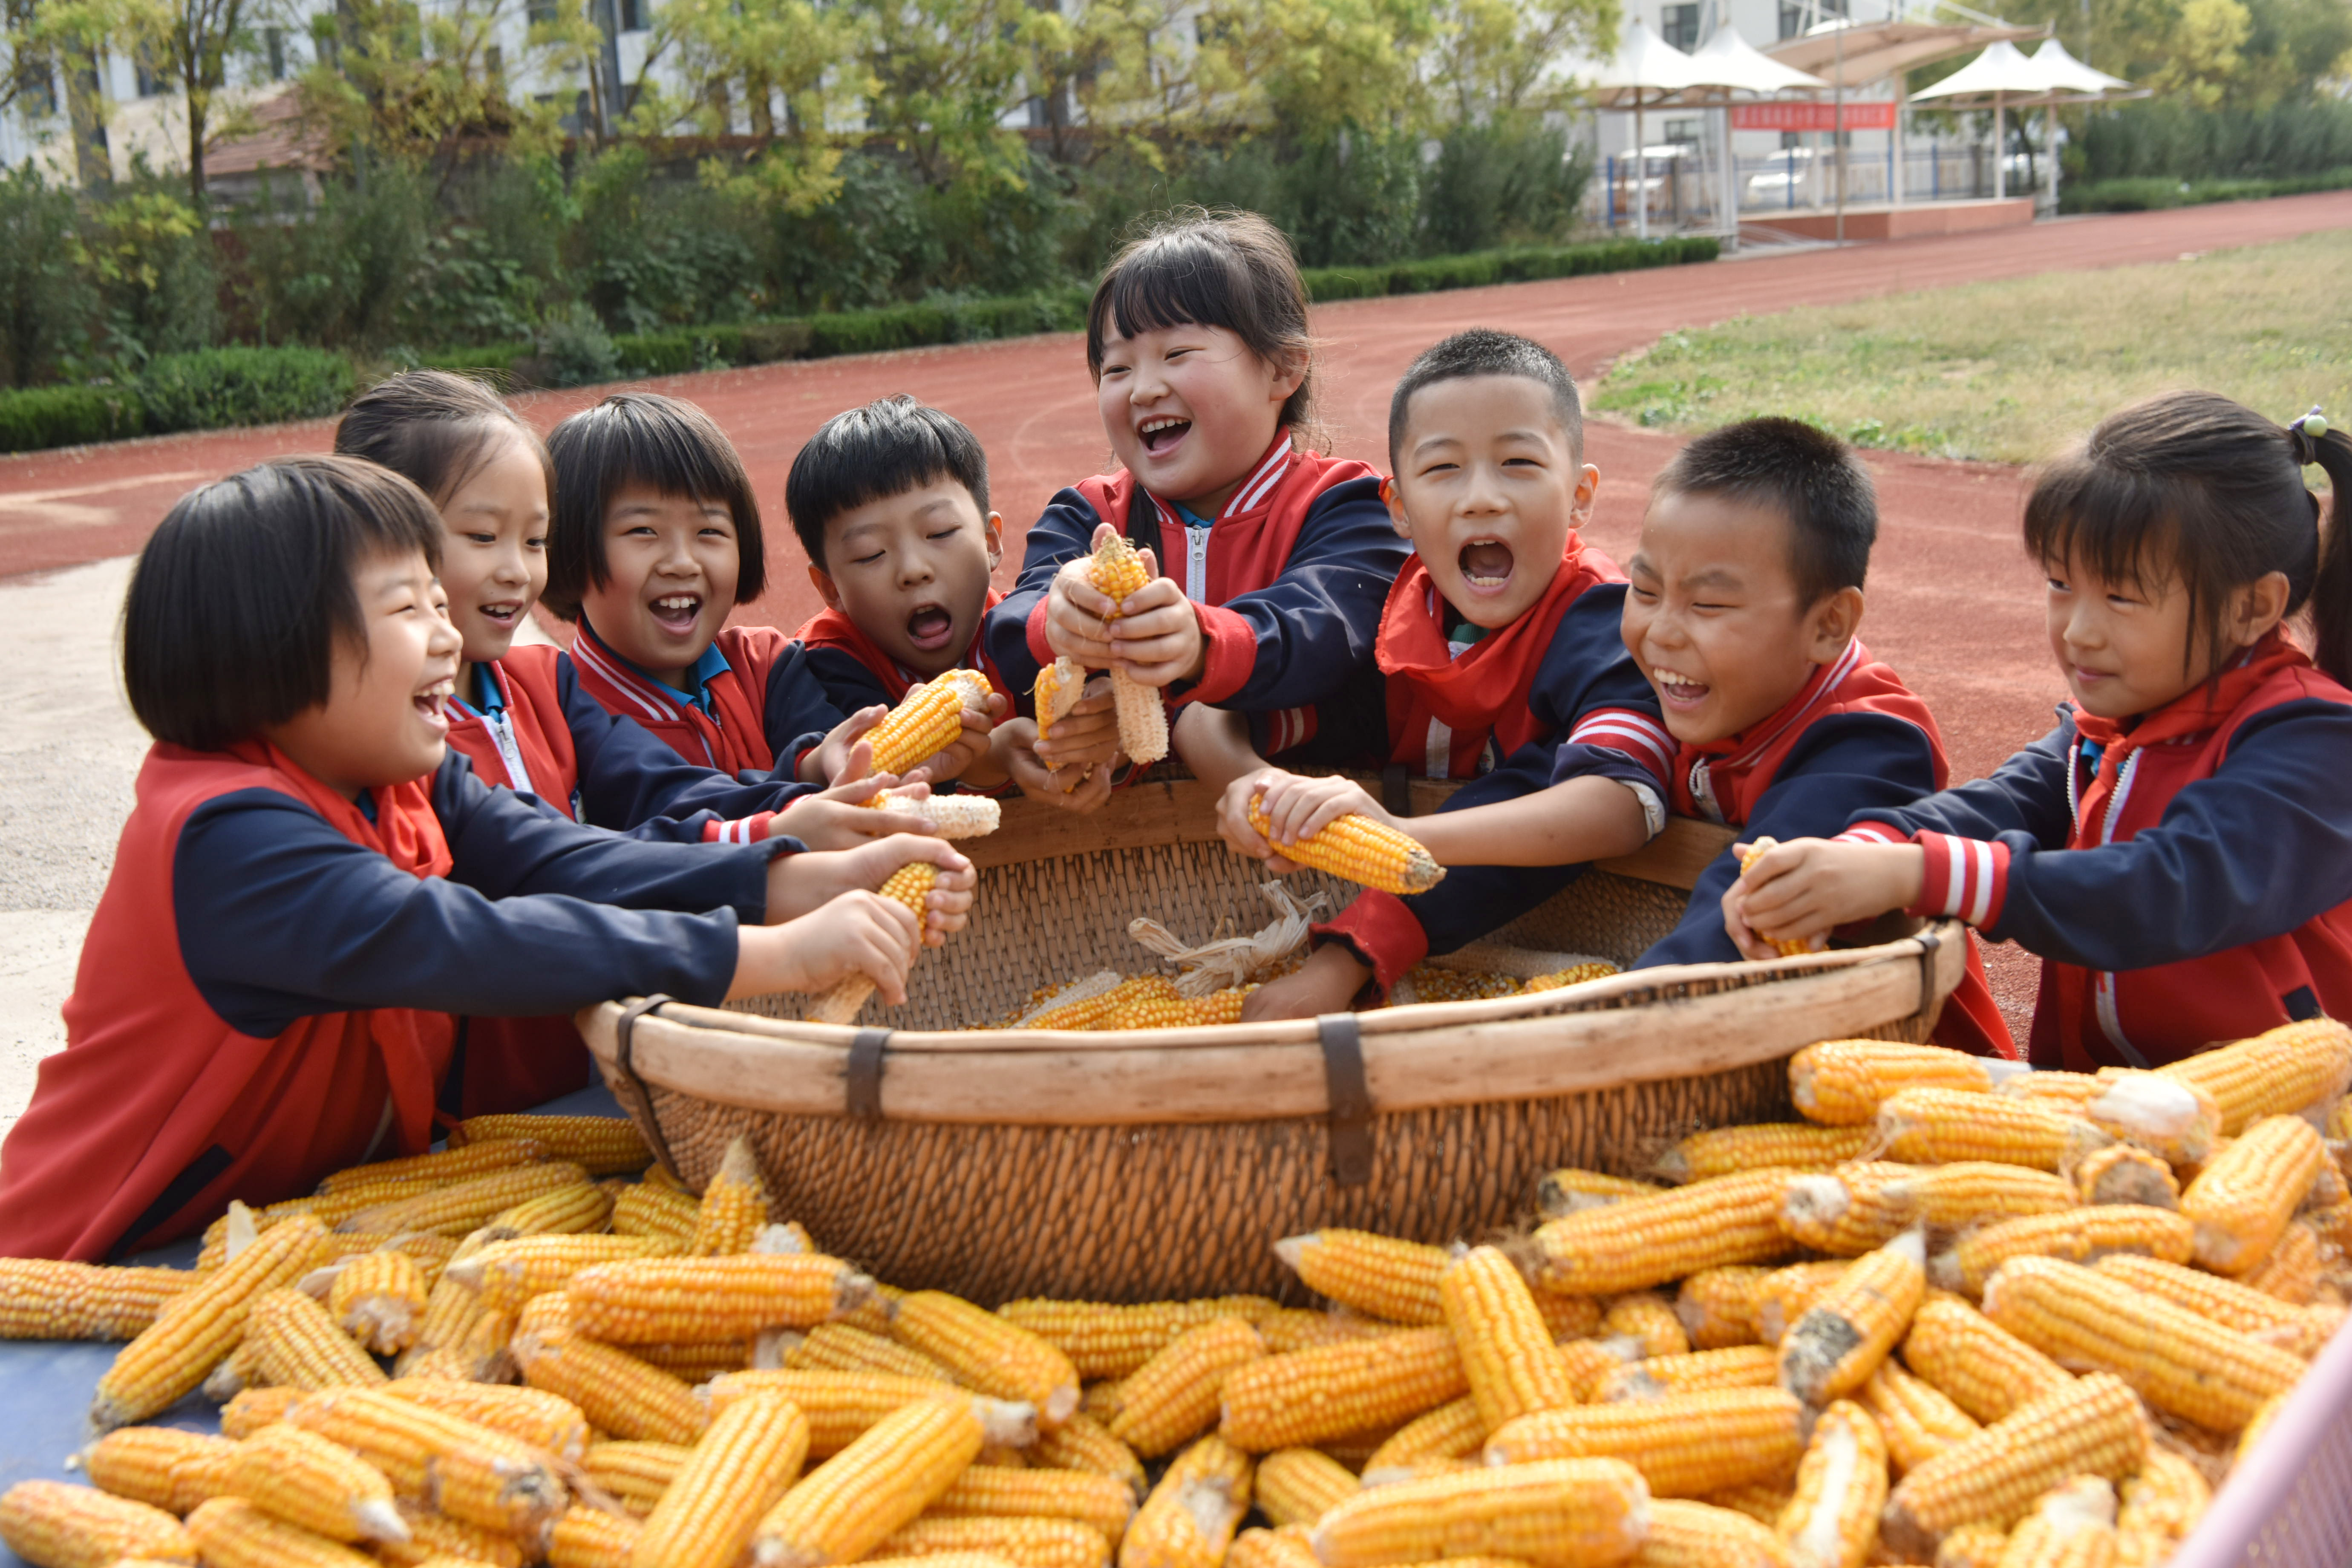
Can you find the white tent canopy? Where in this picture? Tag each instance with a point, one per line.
(1731, 62)
(2000, 72)
(1646, 72)
(2002, 80)
(2065, 73)
(1855, 54)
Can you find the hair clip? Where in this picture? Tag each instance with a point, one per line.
(1387, 488)
(2306, 432)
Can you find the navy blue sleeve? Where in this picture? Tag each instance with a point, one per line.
(632, 781)
(280, 917)
(1063, 532)
(2263, 845)
(2026, 797)
(1845, 764)
(802, 707)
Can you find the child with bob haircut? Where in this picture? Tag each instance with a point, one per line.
(655, 540)
(1745, 600)
(1269, 562)
(519, 714)
(311, 884)
(1499, 642)
(890, 500)
(2178, 850)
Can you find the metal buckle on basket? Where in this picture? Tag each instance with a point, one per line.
(1929, 941)
(866, 1073)
(625, 1042)
(1350, 1112)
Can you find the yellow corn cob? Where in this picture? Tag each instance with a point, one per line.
(297, 1346)
(2124, 1173)
(1964, 1193)
(910, 885)
(941, 1560)
(1833, 1350)
(1285, 1547)
(2275, 1073)
(1117, 572)
(953, 815)
(1782, 1145)
(55, 1525)
(1559, 1513)
(435, 1541)
(1506, 1349)
(2078, 1236)
(1832, 1520)
(2094, 1426)
(531, 1415)
(1936, 1126)
(2161, 1506)
(1684, 1445)
(1787, 1294)
(1738, 1366)
(1568, 1317)
(303, 1480)
(689, 1301)
(1189, 1516)
(456, 1209)
(232, 1532)
(197, 1328)
(1181, 1012)
(1378, 1274)
(657, 1211)
(634, 1475)
(1175, 1396)
(1574, 974)
(1288, 1328)
(378, 1299)
(1082, 1443)
(450, 1309)
(566, 1211)
(432, 1253)
(1920, 1421)
(735, 1203)
(1107, 1342)
(1760, 1500)
(604, 1145)
(2291, 1271)
(1848, 1211)
(1302, 1398)
(1981, 1366)
(1649, 1320)
(616, 1391)
(467, 1470)
(161, 1466)
(2179, 1362)
(1300, 1486)
(1023, 1541)
(1565, 1191)
(2071, 1527)
(1717, 1306)
(1643, 1242)
(885, 1477)
(1787, 947)
(2169, 1117)
(2302, 1330)
(254, 1408)
(738, 1470)
(442, 1167)
(838, 1347)
(1592, 1363)
(1700, 1535)
(1361, 850)
(2070, 1090)
(1973, 1545)
(507, 1274)
(697, 1363)
(486, 1354)
(1101, 1502)
(926, 721)
(585, 1538)
(842, 1405)
(41, 1298)
(1427, 982)
(2245, 1195)
(1843, 1083)
(1059, 688)
(987, 1352)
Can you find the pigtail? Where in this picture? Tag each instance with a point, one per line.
(2331, 591)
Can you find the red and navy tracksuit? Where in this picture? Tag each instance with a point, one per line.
(1287, 580)
(2184, 874)
(271, 985)
(1855, 737)
(854, 672)
(1551, 697)
(754, 707)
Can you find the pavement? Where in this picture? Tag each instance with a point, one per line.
(1954, 604)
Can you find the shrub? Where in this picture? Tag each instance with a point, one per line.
(46, 299)
(213, 389)
(33, 417)
(1328, 283)
(573, 351)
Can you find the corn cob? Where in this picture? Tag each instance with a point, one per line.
(1717, 1306)
(1089, 1002)
(2276, 1073)
(1172, 1011)
(301, 1477)
(1919, 1420)
(687, 1300)
(986, 1352)
(842, 1405)
(296, 1345)
(461, 1467)
(378, 1299)
(697, 1364)
(1973, 1545)
(1289, 1328)
(2179, 1361)
(1300, 1486)
(1843, 1083)
(531, 1415)
(1506, 1350)
(1565, 1191)
(1295, 1400)
(55, 1525)
(450, 1309)
(1700, 1535)
(603, 1146)
(198, 1327)
(585, 1538)
(738, 1470)
(1592, 1363)
(1189, 1516)
(734, 1205)
(617, 1392)
(1832, 1520)
(2230, 1303)
(1684, 1445)
(910, 885)
(838, 1347)
(1026, 1542)
(41, 1298)
(1981, 1366)
(160, 1466)
(2095, 1426)
(1848, 1211)
(1558, 1513)
(232, 1532)
(435, 1542)
(1760, 1500)
(2245, 1195)
(1059, 688)
(941, 1560)
(1938, 1126)
(634, 1475)
(466, 1206)
(486, 1354)
(507, 1274)
(2168, 1116)
(2071, 1527)
(1787, 1294)
(1117, 572)
(888, 1474)
(1082, 1443)
(1738, 1366)
(2161, 1506)
(567, 1211)
(444, 1167)
(1568, 1317)
(1842, 1339)
(254, 1408)
(1287, 1546)
(1358, 849)
(1103, 1504)
(1786, 946)
(1643, 1242)
(2069, 1090)
(1107, 1342)
(1776, 1145)
(2291, 1271)
(1174, 1396)
(926, 721)
(2126, 1173)
(2078, 1236)
(658, 1212)
(952, 815)
(1574, 974)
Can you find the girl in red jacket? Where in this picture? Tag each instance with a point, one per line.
(2179, 851)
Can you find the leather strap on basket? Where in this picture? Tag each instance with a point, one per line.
(628, 1088)
(866, 1073)
(1929, 941)
(1350, 1099)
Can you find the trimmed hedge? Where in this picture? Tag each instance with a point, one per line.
(206, 390)
(1524, 266)
(32, 417)
(2151, 194)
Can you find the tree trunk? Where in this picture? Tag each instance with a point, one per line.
(93, 160)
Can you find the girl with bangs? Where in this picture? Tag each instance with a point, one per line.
(2178, 850)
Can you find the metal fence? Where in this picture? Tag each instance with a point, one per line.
(1684, 184)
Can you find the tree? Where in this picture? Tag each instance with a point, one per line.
(943, 75)
(193, 43)
(1499, 56)
(396, 81)
(759, 54)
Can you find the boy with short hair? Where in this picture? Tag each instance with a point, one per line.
(1499, 641)
(1746, 595)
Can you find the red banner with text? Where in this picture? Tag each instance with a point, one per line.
(1812, 116)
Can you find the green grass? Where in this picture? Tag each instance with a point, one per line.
(2011, 372)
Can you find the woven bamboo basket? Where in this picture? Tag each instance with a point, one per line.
(1155, 1164)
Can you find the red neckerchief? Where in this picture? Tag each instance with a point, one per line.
(2200, 710)
(831, 629)
(1739, 770)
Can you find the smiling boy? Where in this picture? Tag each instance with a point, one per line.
(1746, 595)
(1499, 642)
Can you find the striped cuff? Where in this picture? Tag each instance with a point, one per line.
(1966, 879)
(1384, 933)
(1872, 832)
(1629, 730)
(742, 830)
(1279, 730)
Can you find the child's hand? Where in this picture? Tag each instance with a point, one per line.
(857, 933)
(800, 883)
(1803, 889)
(951, 761)
(1084, 736)
(836, 759)
(1295, 807)
(1077, 788)
(1327, 982)
(1157, 639)
(834, 818)
(1077, 614)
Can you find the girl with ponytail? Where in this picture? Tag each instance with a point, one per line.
(2179, 851)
